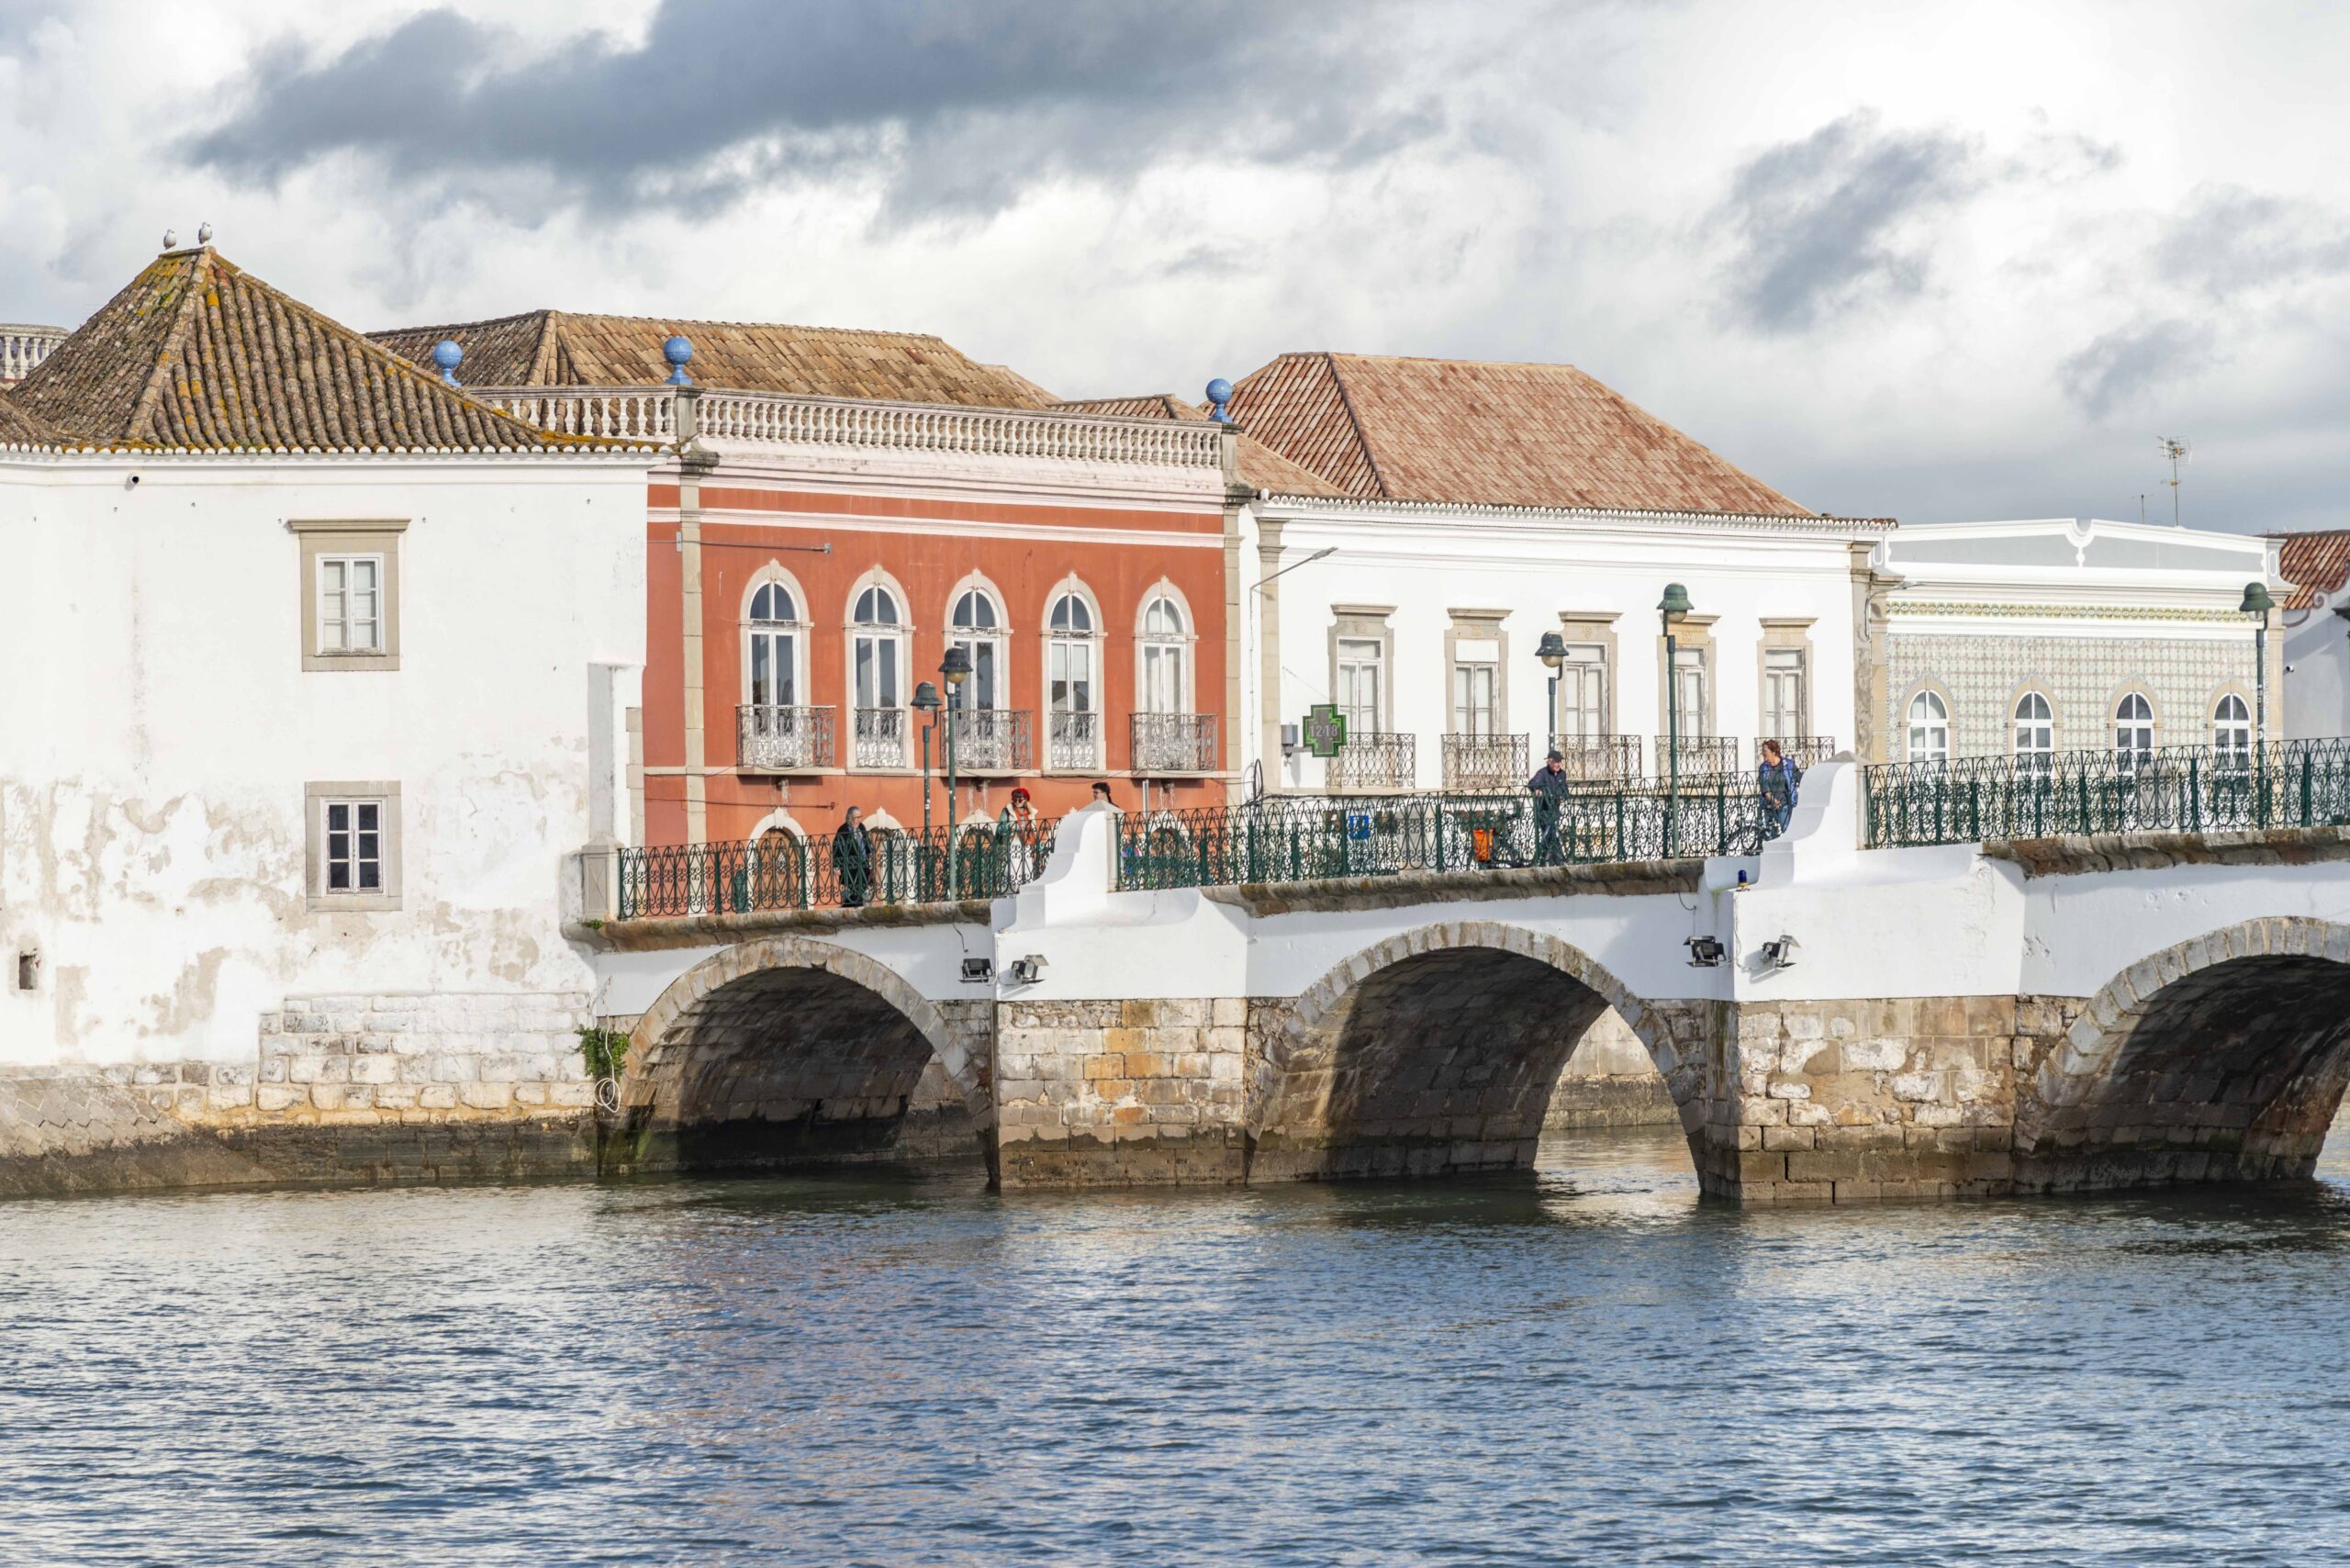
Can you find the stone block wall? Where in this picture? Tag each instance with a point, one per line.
(1120, 1093)
(1610, 1082)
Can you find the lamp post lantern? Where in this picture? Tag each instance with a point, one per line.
(956, 668)
(926, 704)
(2257, 604)
(1672, 611)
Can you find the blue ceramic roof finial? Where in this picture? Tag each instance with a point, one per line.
(677, 351)
(448, 356)
(1220, 401)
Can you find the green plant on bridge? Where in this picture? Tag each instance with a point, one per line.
(604, 1051)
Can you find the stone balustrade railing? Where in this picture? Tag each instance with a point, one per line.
(21, 348)
(680, 414)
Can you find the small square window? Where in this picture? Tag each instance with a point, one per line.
(354, 859)
(351, 587)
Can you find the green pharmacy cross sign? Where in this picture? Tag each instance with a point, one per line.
(1325, 729)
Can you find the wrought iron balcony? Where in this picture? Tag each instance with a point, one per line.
(880, 738)
(993, 740)
(1373, 760)
(1485, 762)
(1599, 758)
(1700, 756)
(782, 740)
(1074, 741)
(1174, 743)
(1805, 752)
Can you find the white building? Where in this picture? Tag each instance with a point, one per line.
(2314, 623)
(316, 669)
(1469, 510)
(2062, 634)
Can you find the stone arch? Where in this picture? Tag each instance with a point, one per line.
(1437, 1050)
(788, 1048)
(2220, 1058)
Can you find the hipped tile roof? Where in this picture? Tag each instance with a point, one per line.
(2317, 564)
(1261, 468)
(19, 429)
(1483, 433)
(197, 353)
(559, 348)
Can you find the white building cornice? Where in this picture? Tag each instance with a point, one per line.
(1370, 512)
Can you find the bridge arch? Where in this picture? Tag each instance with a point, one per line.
(785, 1050)
(1437, 1049)
(2220, 1058)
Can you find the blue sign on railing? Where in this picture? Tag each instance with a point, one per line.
(1358, 826)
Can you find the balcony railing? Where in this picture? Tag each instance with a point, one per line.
(880, 738)
(1284, 839)
(1805, 752)
(2172, 790)
(780, 872)
(1600, 757)
(1373, 760)
(1174, 743)
(1485, 762)
(782, 740)
(1701, 757)
(993, 740)
(22, 348)
(1073, 741)
(677, 414)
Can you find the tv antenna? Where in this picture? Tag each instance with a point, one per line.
(2176, 449)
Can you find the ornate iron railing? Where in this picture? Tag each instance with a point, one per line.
(1491, 762)
(1375, 760)
(880, 740)
(1075, 741)
(2173, 788)
(992, 740)
(783, 740)
(1701, 757)
(780, 872)
(1174, 743)
(1600, 757)
(1288, 838)
(1805, 752)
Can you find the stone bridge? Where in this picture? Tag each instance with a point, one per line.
(1959, 1020)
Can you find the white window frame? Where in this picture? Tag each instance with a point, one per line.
(320, 800)
(1154, 650)
(889, 640)
(2031, 736)
(1583, 674)
(1697, 661)
(1789, 723)
(323, 543)
(990, 648)
(1925, 727)
(1476, 701)
(791, 633)
(1351, 655)
(2134, 731)
(2231, 736)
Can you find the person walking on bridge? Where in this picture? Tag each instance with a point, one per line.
(1778, 780)
(1549, 787)
(852, 859)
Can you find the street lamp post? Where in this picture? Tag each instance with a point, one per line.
(1672, 611)
(956, 668)
(2257, 604)
(1553, 653)
(926, 704)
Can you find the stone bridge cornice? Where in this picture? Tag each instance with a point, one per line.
(1628, 879)
(2077, 855)
(706, 930)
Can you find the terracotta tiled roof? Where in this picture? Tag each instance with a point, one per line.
(558, 348)
(2317, 564)
(1261, 468)
(19, 429)
(1465, 430)
(198, 353)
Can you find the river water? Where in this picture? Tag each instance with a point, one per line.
(1582, 1365)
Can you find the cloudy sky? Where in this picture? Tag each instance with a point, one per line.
(1932, 260)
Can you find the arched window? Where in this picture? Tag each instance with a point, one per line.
(2035, 734)
(875, 654)
(1070, 683)
(1929, 728)
(978, 630)
(2133, 729)
(2231, 730)
(1166, 648)
(771, 648)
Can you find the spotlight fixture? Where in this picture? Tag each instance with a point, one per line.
(1027, 971)
(1781, 954)
(1705, 952)
(978, 971)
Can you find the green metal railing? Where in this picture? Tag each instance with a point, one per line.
(2168, 790)
(1292, 838)
(780, 872)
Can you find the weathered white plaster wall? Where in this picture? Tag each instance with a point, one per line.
(2317, 671)
(157, 731)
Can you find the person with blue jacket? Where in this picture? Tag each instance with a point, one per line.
(1778, 778)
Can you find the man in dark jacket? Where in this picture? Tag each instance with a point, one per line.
(1777, 779)
(852, 859)
(1548, 787)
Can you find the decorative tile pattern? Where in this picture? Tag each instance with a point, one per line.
(1980, 677)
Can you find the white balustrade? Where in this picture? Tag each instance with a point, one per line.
(21, 348)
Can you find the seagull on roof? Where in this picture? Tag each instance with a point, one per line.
(204, 232)
(171, 239)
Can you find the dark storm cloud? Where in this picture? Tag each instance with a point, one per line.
(2229, 240)
(2121, 365)
(1821, 223)
(951, 103)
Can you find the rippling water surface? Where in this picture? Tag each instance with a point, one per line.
(1583, 1364)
